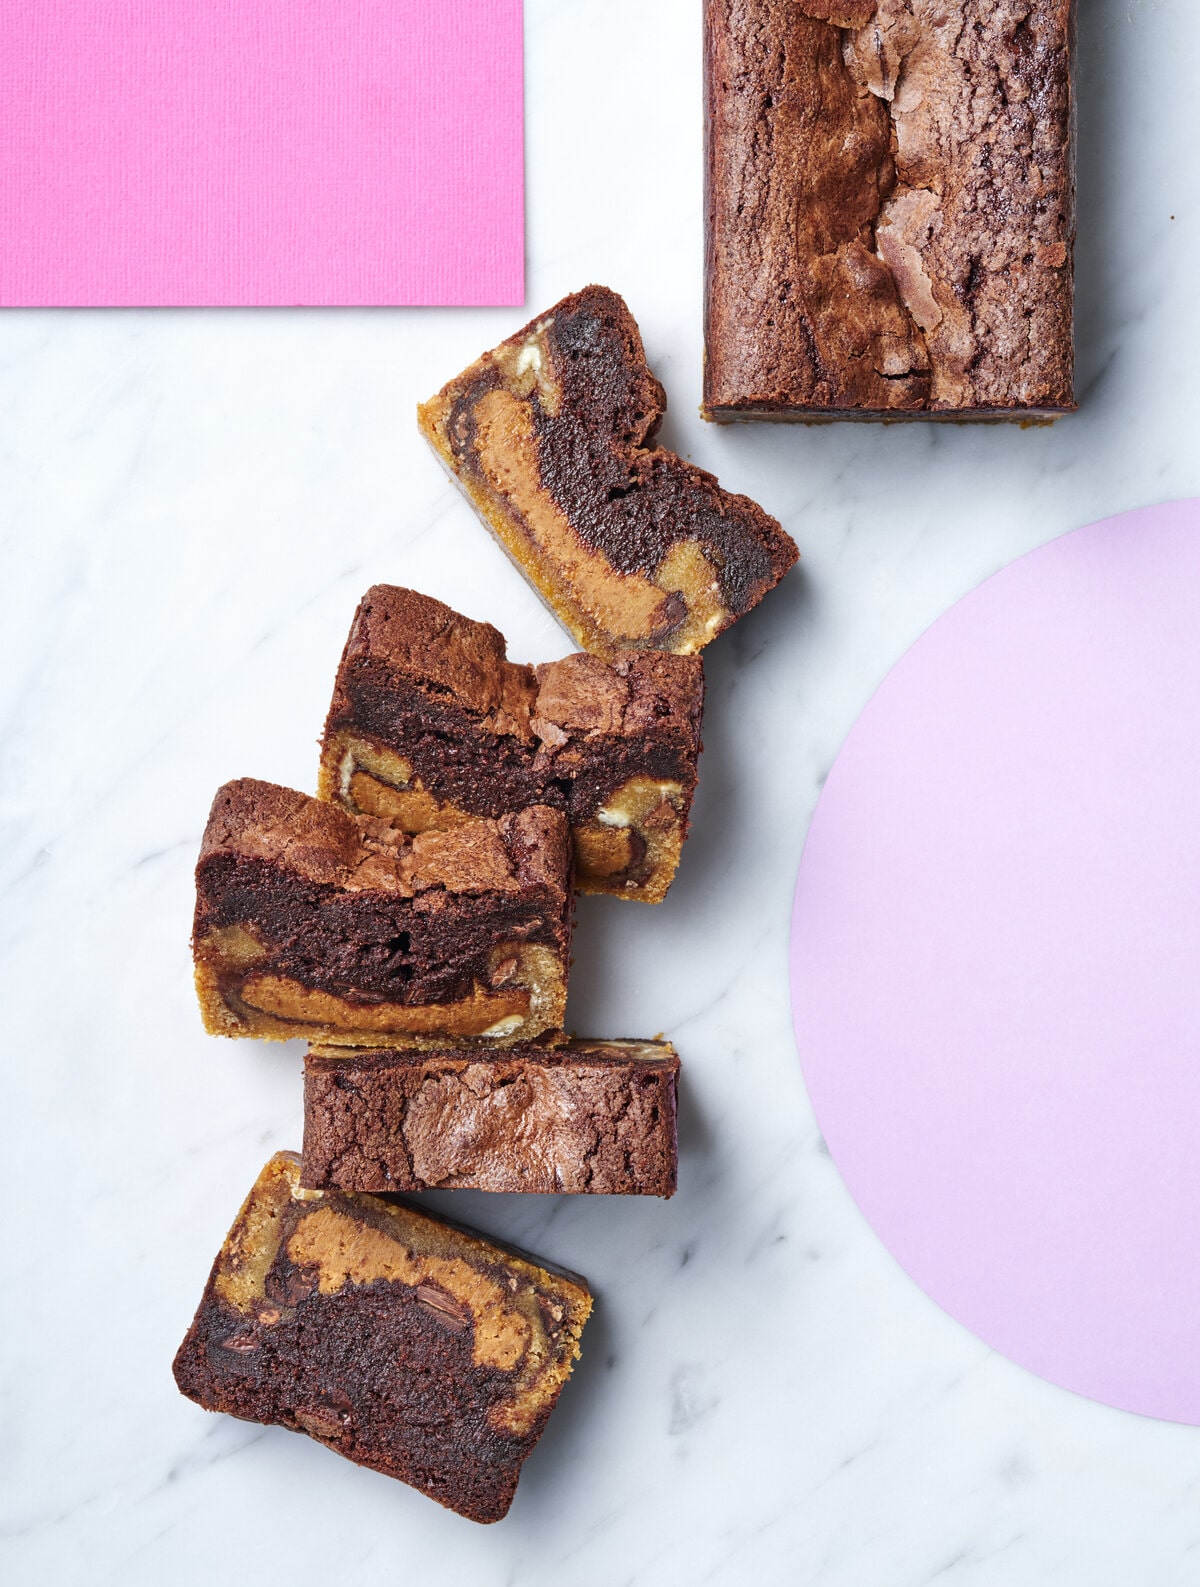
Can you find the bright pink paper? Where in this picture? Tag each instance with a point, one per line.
(261, 152)
(996, 961)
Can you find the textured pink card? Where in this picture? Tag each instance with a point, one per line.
(996, 961)
(196, 152)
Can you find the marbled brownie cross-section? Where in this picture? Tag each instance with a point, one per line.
(621, 740)
(592, 1117)
(431, 724)
(890, 197)
(342, 929)
(400, 1341)
(550, 435)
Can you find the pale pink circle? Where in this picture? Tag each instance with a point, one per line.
(996, 961)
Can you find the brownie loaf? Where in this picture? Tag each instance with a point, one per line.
(550, 435)
(890, 209)
(431, 723)
(398, 1340)
(592, 1117)
(312, 922)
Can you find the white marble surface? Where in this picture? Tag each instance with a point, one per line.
(191, 504)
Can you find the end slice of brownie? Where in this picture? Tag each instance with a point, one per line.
(431, 724)
(400, 1341)
(550, 435)
(593, 1117)
(313, 922)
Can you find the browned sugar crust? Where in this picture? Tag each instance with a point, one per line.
(592, 1118)
(400, 1341)
(890, 209)
(550, 435)
(313, 922)
(431, 723)
(256, 820)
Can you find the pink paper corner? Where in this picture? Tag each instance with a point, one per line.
(262, 152)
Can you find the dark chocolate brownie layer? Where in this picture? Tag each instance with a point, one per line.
(551, 437)
(393, 1338)
(589, 1118)
(890, 208)
(372, 944)
(310, 921)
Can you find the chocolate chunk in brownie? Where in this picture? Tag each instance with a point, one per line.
(890, 209)
(593, 1117)
(405, 1343)
(551, 438)
(431, 723)
(313, 922)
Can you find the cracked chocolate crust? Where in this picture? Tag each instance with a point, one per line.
(595, 1118)
(405, 1343)
(312, 922)
(551, 437)
(431, 723)
(890, 209)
